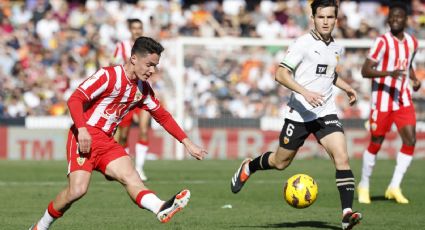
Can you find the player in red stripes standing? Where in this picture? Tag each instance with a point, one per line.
(97, 107)
(122, 55)
(390, 68)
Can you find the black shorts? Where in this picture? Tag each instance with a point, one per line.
(294, 133)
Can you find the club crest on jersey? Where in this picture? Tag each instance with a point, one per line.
(81, 160)
(321, 69)
(373, 126)
(138, 96)
(285, 140)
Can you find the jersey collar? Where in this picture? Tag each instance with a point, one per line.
(316, 35)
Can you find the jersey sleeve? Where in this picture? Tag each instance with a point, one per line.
(294, 55)
(95, 85)
(377, 51)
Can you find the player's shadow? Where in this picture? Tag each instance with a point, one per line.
(300, 224)
(378, 198)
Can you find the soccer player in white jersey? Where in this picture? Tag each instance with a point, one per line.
(390, 68)
(308, 69)
(97, 107)
(121, 56)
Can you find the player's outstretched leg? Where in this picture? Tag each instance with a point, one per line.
(173, 205)
(240, 176)
(350, 220)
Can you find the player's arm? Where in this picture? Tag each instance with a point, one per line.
(164, 118)
(415, 81)
(369, 70)
(75, 106)
(86, 92)
(343, 85)
(284, 77)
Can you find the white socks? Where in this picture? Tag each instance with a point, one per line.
(346, 210)
(369, 160)
(45, 221)
(151, 202)
(403, 162)
(141, 151)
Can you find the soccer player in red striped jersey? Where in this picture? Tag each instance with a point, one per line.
(97, 106)
(122, 55)
(390, 68)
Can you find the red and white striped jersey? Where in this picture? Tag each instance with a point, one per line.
(388, 93)
(112, 95)
(122, 52)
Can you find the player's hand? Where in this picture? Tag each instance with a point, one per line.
(397, 73)
(352, 96)
(194, 150)
(84, 140)
(313, 98)
(416, 85)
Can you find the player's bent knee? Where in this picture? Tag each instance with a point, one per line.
(282, 164)
(410, 142)
(76, 192)
(128, 177)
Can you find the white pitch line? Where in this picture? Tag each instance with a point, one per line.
(62, 183)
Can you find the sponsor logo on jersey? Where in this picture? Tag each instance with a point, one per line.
(114, 112)
(321, 69)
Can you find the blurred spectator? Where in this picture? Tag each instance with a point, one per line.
(48, 47)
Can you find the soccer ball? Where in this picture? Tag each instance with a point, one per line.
(300, 191)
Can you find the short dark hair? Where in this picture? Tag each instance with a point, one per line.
(400, 5)
(146, 45)
(323, 3)
(130, 21)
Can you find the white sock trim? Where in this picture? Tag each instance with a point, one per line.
(403, 163)
(151, 202)
(141, 152)
(369, 161)
(45, 221)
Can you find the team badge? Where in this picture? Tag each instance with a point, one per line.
(81, 160)
(373, 126)
(138, 96)
(285, 140)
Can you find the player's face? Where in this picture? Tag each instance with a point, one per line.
(324, 21)
(397, 20)
(144, 66)
(136, 30)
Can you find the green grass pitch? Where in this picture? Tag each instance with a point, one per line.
(26, 187)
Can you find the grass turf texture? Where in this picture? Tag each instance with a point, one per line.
(26, 187)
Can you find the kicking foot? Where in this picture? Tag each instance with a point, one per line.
(173, 205)
(240, 177)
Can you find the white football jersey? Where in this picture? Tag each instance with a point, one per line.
(313, 63)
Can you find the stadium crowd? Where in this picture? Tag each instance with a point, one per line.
(48, 47)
